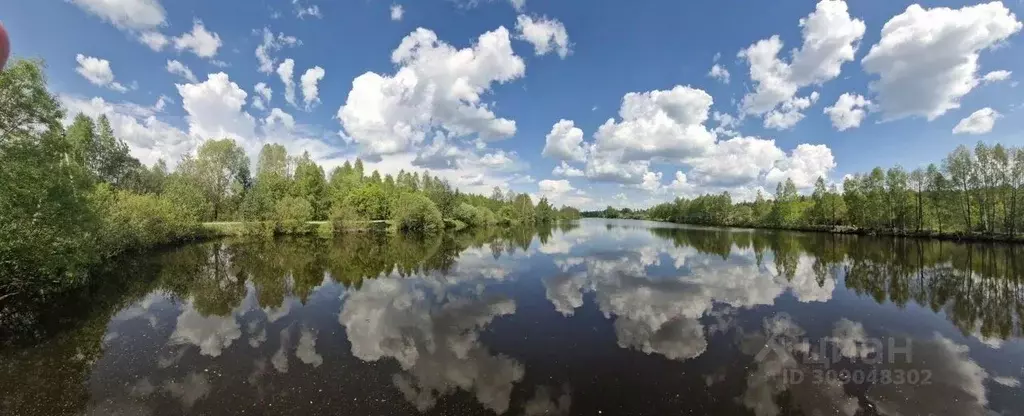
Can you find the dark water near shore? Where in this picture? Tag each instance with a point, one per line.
(600, 317)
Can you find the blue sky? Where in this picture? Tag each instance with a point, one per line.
(479, 106)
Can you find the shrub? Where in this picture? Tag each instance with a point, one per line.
(265, 229)
(486, 216)
(133, 220)
(417, 213)
(293, 214)
(369, 202)
(474, 216)
(342, 216)
(187, 197)
(325, 230)
(466, 213)
(506, 215)
(454, 224)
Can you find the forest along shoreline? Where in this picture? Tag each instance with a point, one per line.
(968, 196)
(848, 230)
(73, 199)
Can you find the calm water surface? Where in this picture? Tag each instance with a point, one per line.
(600, 317)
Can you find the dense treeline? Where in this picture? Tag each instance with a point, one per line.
(286, 193)
(71, 197)
(978, 194)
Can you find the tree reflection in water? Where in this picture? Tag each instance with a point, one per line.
(420, 312)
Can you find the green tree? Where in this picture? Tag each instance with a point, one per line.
(1016, 183)
(856, 201)
(959, 165)
(937, 187)
(416, 213)
(611, 212)
(152, 179)
(987, 182)
(522, 208)
(81, 137)
(441, 193)
(544, 211)
(836, 206)
(311, 185)
(113, 162)
(895, 197)
(187, 195)
(273, 160)
(27, 106)
(875, 208)
(369, 202)
(48, 228)
(784, 212)
(761, 208)
(217, 168)
(468, 214)
(343, 180)
(820, 211)
(292, 214)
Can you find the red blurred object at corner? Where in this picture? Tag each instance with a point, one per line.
(5, 46)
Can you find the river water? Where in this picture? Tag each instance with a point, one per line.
(599, 317)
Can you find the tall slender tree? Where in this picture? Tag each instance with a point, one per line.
(960, 167)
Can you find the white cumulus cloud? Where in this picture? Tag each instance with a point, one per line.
(666, 124)
(736, 161)
(397, 11)
(97, 71)
(435, 87)
(565, 142)
(199, 41)
(263, 96)
(564, 169)
(127, 14)
(849, 111)
(996, 76)
(309, 81)
(271, 44)
(720, 73)
(546, 35)
(804, 165)
(786, 116)
(554, 187)
(279, 117)
(303, 11)
(177, 68)
(214, 109)
(927, 59)
(979, 122)
(141, 18)
(830, 38)
(155, 40)
(285, 71)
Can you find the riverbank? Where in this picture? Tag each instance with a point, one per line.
(850, 230)
(324, 228)
(19, 304)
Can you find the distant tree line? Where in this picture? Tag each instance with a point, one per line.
(286, 193)
(979, 193)
(71, 197)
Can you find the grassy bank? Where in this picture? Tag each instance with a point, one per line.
(240, 229)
